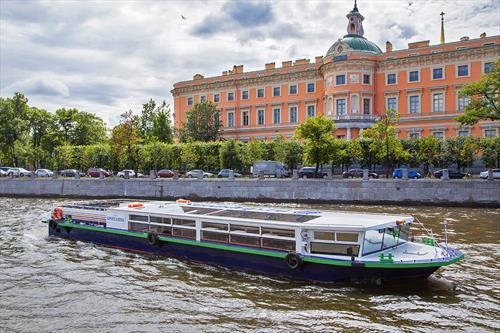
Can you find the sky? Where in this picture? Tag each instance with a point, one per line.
(106, 57)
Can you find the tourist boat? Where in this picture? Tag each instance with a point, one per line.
(313, 245)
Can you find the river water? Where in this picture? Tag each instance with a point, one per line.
(50, 285)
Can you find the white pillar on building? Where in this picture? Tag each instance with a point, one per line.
(348, 133)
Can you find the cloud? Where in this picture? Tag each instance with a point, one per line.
(107, 57)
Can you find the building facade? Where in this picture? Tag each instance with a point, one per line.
(354, 83)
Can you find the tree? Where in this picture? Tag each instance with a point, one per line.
(202, 123)
(13, 124)
(251, 152)
(490, 152)
(230, 155)
(484, 98)
(385, 144)
(317, 135)
(125, 141)
(429, 150)
(155, 123)
(288, 152)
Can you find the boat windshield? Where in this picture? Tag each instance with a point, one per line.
(381, 239)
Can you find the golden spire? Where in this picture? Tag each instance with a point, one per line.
(442, 28)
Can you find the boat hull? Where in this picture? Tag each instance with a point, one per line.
(269, 265)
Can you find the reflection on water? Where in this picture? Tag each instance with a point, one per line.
(55, 285)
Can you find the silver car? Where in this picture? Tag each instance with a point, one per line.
(194, 174)
(44, 173)
(496, 174)
(18, 172)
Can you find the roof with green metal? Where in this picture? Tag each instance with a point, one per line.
(357, 43)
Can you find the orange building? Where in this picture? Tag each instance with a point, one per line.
(354, 83)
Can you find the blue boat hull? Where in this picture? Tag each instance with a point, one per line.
(268, 265)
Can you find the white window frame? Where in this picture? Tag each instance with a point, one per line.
(463, 131)
(414, 135)
(335, 106)
(432, 73)
(468, 70)
(203, 98)
(307, 87)
(351, 104)
(483, 64)
(490, 129)
(335, 79)
(408, 75)
(192, 100)
(248, 94)
(458, 103)
(444, 101)
(242, 117)
(387, 79)
(263, 118)
(433, 133)
(307, 110)
(296, 86)
(370, 105)
(387, 102)
(227, 120)
(296, 114)
(419, 103)
(213, 97)
(274, 87)
(274, 119)
(227, 96)
(257, 92)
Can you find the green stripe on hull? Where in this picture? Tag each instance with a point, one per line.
(274, 254)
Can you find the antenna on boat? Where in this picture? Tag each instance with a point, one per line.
(446, 232)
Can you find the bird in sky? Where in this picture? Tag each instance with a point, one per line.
(183, 17)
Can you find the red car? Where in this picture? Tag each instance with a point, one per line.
(96, 172)
(165, 174)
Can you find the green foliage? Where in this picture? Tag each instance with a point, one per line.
(202, 123)
(484, 98)
(13, 124)
(251, 152)
(317, 135)
(490, 148)
(154, 123)
(429, 152)
(125, 142)
(288, 152)
(230, 155)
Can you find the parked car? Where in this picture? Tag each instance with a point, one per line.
(3, 173)
(224, 173)
(131, 174)
(358, 173)
(453, 174)
(496, 174)
(308, 172)
(18, 172)
(44, 173)
(5, 169)
(96, 172)
(165, 173)
(412, 174)
(270, 168)
(194, 174)
(70, 173)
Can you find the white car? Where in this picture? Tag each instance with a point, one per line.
(496, 174)
(194, 174)
(18, 172)
(3, 173)
(131, 174)
(44, 173)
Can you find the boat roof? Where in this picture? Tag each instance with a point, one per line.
(224, 212)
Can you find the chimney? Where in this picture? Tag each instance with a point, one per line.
(318, 59)
(198, 77)
(238, 69)
(464, 38)
(388, 46)
(417, 45)
(224, 73)
(299, 62)
(286, 63)
(270, 65)
(483, 35)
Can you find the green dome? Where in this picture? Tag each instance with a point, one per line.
(356, 43)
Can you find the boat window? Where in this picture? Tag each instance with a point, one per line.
(347, 237)
(161, 230)
(278, 232)
(159, 219)
(334, 248)
(245, 228)
(245, 240)
(264, 215)
(215, 236)
(140, 227)
(391, 237)
(200, 210)
(278, 244)
(373, 241)
(216, 226)
(186, 223)
(138, 218)
(184, 233)
(404, 233)
(324, 235)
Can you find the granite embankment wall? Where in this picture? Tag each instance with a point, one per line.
(432, 192)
